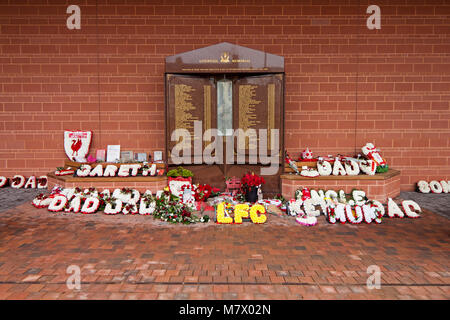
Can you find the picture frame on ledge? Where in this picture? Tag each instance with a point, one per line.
(113, 153)
(140, 157)
(101, 155)
(157, 156)
(126, 156)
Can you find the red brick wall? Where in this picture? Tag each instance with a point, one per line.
(49, 75)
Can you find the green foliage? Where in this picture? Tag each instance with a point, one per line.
(180, 172)
(279, 196)
(240, 197)
(169, 208)
(381, 169)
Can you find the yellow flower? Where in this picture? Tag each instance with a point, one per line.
(257, 214)
(220, 214)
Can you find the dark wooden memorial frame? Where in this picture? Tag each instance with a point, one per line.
(231, 61)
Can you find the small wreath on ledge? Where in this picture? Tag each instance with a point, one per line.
(202, 192)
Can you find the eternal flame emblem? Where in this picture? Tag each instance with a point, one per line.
(225, 57)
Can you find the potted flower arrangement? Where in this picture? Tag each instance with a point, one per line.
(177, 178)
(180, 172)
(250, 183)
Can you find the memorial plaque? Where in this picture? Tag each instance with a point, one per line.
(227, 87)
(258, 105)
(189, 99)
(224, 58)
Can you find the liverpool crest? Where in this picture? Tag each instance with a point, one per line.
(76, 144)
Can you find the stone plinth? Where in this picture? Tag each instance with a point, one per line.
(139, 183)
(378, 187)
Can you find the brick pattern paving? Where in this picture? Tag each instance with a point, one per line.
(146, 259)
(11, 198)
(438, 203)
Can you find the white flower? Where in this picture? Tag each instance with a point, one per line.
(351, 167)
(309, 172)
(338, 168)
(409, 206)
(295, 207)
(20, 184)
(435, 187)
(368, 167)
(114, 207)
(324, 168)
(306, 220)
(175, 187)
(84, 170)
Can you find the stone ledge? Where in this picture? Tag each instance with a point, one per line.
(139, 183)
(74, 164)
(69, 178)
(379, 187)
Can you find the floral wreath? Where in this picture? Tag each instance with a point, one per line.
(202, 192)
(126, 191)
(306, 220)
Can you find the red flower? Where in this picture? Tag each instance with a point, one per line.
(252, 180)
(185, 213)
(203, 192)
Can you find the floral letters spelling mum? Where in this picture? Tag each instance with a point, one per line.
(354, 215)
(337, 207)
(19, 181)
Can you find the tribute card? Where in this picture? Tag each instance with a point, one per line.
(140, 157)
(126, 156)
(101, 155)
(113, 153)
(157, 157)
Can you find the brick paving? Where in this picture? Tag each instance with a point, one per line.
(437, 202)
(11, 198)
(136, 257)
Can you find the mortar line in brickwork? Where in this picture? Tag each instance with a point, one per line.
(357, 81)
(236, 283)
(98, 75)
